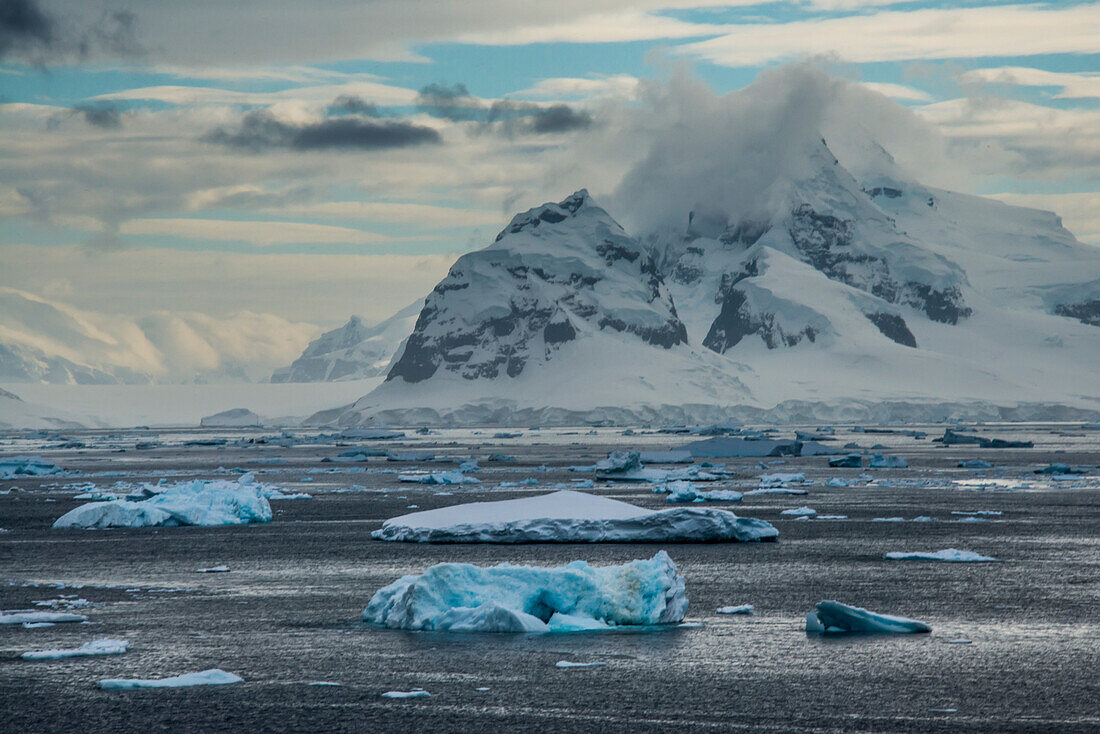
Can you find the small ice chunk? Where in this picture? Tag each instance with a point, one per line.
(211, 677)
(838, 482)
(774, 490)
(104, 646)
(888, 519)
(991, 513)
(975, 464)
(781, 479)
(959, 641)
(213, 569)
(324, 683)
(571, 664)
(850, 461)
(740, 609)
(878, 461)
(799, 511)
(25, 618)
(950, 555)
(414, 693)
(832, 617)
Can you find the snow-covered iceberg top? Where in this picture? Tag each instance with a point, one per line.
(459, 597)
(40, 618)
(445, 477)
(211, 677)
(950, 555)
(198, 502)
(571, 517)
(832, 617)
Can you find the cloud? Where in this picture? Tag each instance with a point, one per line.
(511, 118)
(104, 116)
(967, 32)
(30, 33)
(898, 91)
(350, 104)
(261, 130)
(1080, 85)
(449, 102)
(256, 233)
(616, 85)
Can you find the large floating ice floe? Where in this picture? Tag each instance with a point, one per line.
(198, 502)
(950, 555)
(444, 477)
(211, 677)
(459, 597)
(681, 491)
(571, 517)
(832, 617)
(12, 467)
(88, 649)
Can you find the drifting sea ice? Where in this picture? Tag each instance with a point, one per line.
(211, 677)
(570, 517)
(88, 649)
(571, 664)
(198, 502)
(681, 491)
(39, 618)
(748, 609)
(878, 461)
(445, 477)
(414, 693)
(800, 511)
(12, 467)
(832, 617)
(781, 479)
(461, 597)
(951, 555)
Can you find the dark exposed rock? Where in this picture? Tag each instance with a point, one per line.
(1087, 312)
(736, 320)
(893, 327)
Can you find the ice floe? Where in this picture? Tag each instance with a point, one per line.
(414, 693)
(38, 618)
(724, 446)
(850, 461)
(460, 597)
(832, 617)
(570, 517)
(571, 664)
(799, 511)
(198, 502)
(211, 677)
(975, 464)
(445, 477)
(950, 555)
(878, 461)
(88, 649)
(739, 609)
(681, 491)
(213, 569)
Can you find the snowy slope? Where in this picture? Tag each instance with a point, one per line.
(17, 414)
(352, 352)
(842, 296)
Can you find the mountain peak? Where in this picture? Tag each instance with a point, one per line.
(548, 213)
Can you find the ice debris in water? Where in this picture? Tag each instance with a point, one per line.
(26, 618)
(681, 491)
(213, 569)
(414, 693)
(781, 479)
(198, 502)
(800, 511)
(850, 461)
(878, 461)
(951, 555)
(571, 517)
(88, 649)
(12, 467)
(460, 597)
(832, 617)
(445, 477)
(748, 609)
(211, 677)
(975, 464)
(571, 664)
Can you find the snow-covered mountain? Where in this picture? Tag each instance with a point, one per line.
(353, 351)
(845, 296)
(46, 341)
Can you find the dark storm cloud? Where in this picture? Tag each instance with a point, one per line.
(104, 116)
(559, 118)
(261, 130)
(450, 102)
(349, 104)
(29, 33)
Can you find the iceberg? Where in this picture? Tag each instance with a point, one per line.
(414, 693)
(800, 511)
(13, 467)
(198, 502)
(748, 609)
(781, 479)
(951, 555)
(233, 418)
(460, 597)
(975, 464)
(626, 466)
(88, 649)
(832, 617)
(211, 677)
(681, 491)
(445, 477)
(571, 664)
(567, 516)
(850, 461)
(725, 446)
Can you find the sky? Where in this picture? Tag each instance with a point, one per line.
(302, 162)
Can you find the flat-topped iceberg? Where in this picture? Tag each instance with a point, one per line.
(832, 617)
(950, 555)
(198, 502)
(12, 467)
(40, 618)
(681, 491)
(571, 517)
(444, 477)
(211, 677)
(460, 597)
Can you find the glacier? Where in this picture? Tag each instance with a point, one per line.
(832, 617)
(198, 502)
(459, 597)
(567, 516)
